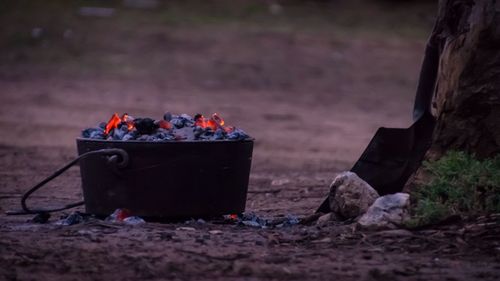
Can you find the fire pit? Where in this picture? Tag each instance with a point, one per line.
(176, 167)
(167, 179)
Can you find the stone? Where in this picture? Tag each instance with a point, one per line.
(387, 212)
(350, 196)
(326, 219)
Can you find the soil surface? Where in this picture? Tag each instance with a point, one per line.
(309, 84)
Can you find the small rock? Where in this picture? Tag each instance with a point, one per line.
(185, 228)
(387, 212)
(133, 220)
(324, 240)
(350, 196)
(215, 232)
(325, 219)
(251, 223)
(71, 219)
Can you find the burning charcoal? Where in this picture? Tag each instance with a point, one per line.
(197, 117)
(188, 120)
(198, 131)
(145, 126)
(142, 138)
(187, 117)
(102, 125)
(112, 123)
(237, 134)
(219, 135)
(93, 133)
(118, 215)
(177, 122)
(74, 218)
(170, 128)
(167, 116)
(163, 135)
(124, 215)
(163, 124)
(162, 131)
(153, 138)
(186, 133)
(120, 132)
(131, 135)
(206, 134)
(182, 121)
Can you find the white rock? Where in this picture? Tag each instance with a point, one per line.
(350, 196)
(324, 219)
(387, 212)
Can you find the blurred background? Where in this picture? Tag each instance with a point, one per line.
(311, 81)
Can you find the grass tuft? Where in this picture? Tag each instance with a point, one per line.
(460, 185)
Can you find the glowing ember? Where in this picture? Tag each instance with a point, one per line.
(165, 125)
(170, 128)
(128, 120)
(217, 119)
(115, 121)
(112, 123)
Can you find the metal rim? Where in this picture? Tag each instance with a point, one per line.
(163, 142)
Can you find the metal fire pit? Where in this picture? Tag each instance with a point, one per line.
(166, 179)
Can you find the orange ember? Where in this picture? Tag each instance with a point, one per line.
(123, 214)
(212, 123)
(112, 123)
(217, 119)
(165, 125)
(128, 120)
(115, 121)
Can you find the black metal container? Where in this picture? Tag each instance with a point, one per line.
(167, 179)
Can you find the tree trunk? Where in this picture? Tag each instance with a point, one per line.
(467, 97)
(467, 93)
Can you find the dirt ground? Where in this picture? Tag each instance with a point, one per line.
(310, 82)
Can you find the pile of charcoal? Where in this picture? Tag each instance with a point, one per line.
(170, 128)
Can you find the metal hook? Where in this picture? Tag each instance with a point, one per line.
(118, 156)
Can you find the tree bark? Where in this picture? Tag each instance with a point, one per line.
(467, 95)
(466, 100)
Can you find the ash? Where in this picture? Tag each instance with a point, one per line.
(170, 128)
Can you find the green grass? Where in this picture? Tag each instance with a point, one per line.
(461, 185)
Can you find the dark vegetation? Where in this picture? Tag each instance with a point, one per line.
(459, 184)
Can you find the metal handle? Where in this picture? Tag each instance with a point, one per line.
(118, 158)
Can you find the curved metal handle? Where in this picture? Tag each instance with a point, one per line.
(118, 157)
